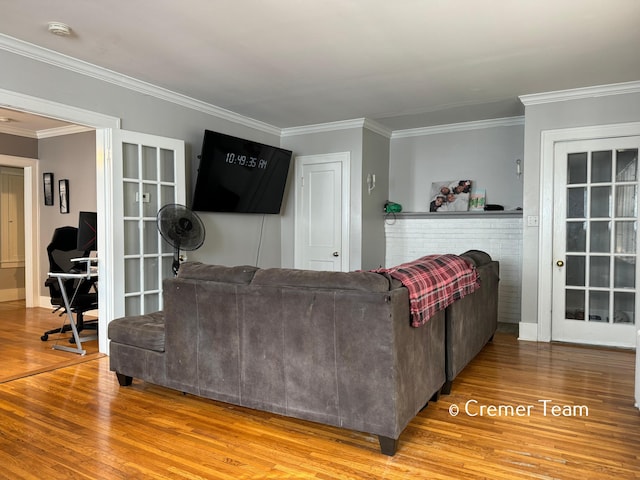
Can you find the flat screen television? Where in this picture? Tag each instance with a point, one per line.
(240, 176)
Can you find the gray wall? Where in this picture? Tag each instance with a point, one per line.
(487, 156)
(231, 239)
(369, 155)
(71, 157)
(602, 110)
(375, 160)
(268, 241)
(18, 146)
(348, 140)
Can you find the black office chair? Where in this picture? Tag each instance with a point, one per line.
(61, 250)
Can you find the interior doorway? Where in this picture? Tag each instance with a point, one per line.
(322, 212)
(602, 224)
(31, 231)
(595, 247)
(104, 126)
(12, 231)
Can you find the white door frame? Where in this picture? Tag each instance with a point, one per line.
(117, 213)
(31, 224)
(104, 168)
(345, 159)
(545, 235)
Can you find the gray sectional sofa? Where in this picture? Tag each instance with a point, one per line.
(471, 322)
(330, 347)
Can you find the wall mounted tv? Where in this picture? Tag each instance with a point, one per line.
(240, 176)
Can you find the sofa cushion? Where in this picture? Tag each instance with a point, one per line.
(217, 273)
(476, 257)
(287, 277)
(143, 331)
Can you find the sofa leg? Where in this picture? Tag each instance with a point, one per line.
(446, 388)
(435, 397)
(124, 380)
(388, 446)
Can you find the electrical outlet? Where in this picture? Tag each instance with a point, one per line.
(532, 221)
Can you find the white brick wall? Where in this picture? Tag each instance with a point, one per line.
(500, 235)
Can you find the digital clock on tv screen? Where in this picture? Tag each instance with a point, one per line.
(241, 176)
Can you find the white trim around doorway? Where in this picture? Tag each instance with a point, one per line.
(31, 224)
(104, 125)
(548, 139)
(344, 158)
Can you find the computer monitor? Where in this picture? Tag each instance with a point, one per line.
(87, 231)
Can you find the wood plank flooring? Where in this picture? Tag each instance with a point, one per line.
(76, 422)
(23, 353)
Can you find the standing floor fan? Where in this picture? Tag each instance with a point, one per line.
(181, 228)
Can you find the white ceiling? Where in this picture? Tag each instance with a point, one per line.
(403, 63)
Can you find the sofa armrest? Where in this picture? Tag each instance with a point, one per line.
(472, 321)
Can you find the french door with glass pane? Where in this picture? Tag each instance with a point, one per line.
(153, 175)
(595, 244)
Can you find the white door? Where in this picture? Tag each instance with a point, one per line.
(31, 252)
(148, 172)
(12, 219)
(322, 212)
(595, 247)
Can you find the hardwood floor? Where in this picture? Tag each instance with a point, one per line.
(76, 422)
(23, 353)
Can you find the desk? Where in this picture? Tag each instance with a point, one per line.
(89, 274)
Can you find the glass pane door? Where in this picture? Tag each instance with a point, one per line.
(596, 262)
(152, 176)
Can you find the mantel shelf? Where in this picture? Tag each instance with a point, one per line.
(483, 214)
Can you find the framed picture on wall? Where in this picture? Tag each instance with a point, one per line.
(47, 180)
(63, 188)
(450, 196)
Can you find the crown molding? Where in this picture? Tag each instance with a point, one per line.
(323, 127)
(459, 127)
(41, 106)
(59, 60)
(377, 128)
(334, 126)
(580, 93)
(59, 131)
(46, 133)
(17, 131)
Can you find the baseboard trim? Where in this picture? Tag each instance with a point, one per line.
(45, 302)
(528, 332)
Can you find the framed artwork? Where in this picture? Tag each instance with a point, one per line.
(477, 200)
(63, 188)
(47, 180)
(450, 196)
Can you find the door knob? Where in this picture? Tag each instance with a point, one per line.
(560, 263)
(336, 254)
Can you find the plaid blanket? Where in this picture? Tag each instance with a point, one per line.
(434, 282)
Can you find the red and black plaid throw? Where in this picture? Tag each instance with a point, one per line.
(434, 282)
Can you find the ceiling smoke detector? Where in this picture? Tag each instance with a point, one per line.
(58, 28)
